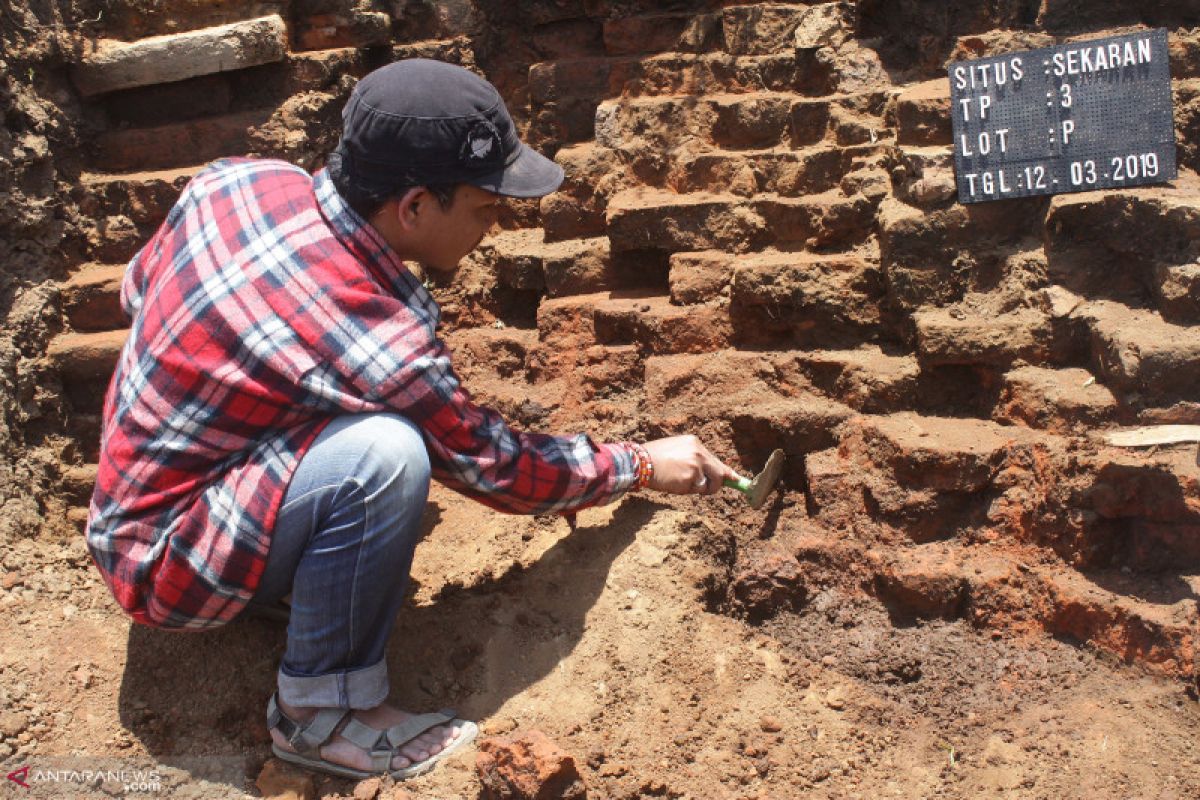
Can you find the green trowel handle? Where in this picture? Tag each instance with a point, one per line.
(741, 484)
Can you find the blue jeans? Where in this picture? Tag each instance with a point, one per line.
(343, 545)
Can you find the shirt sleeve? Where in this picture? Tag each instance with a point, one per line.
(386, 351)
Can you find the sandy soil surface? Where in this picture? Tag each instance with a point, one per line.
(600, 636)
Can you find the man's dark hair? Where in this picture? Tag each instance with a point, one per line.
(366, 202)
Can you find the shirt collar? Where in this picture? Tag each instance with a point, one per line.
(361, 239)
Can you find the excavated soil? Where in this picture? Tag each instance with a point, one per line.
(958, 591)
(601, 636)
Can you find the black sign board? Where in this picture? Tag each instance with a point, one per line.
(1079, 116)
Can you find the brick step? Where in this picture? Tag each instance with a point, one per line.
(84, 428)
(86, 361)
(932, 478)
(922, 114)
(1063, 401)
(787, 172)
(740, 121)
(174, 145)
(924, 176)
(78, 482)
(812, 299)
(1138, 246)
(964, 334)
(1139, 619)
(595, 173)
(678, 32)
(922, 250)
(865, 378)
(743, 394)
(1137, 352)
(114, 65)
(91, 298)
(764, 28)
(523, 259)
(657, 326)
(649, 219)
(145, 198)
(597, 78)
(1144, 620)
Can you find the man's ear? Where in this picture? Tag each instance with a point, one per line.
(409, 207)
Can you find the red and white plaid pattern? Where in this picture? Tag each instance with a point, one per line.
(262, 308)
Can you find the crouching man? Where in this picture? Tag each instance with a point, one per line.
(283, 401)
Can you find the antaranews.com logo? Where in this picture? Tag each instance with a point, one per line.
(127, 780)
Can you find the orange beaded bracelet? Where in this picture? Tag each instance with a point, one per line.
(643, 467)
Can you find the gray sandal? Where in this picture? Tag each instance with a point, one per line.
(381, 745)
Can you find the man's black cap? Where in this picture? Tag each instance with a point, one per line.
(420, 122)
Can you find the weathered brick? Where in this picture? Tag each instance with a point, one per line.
(83, 357)
(92, 298)
(656, 33)
(1056, 400)
(1112, 244)
(866, 378)
(935, 453)
(699, 277)
(797, 292)
(578, 208)
(174, 57)
(174, 145)
(955, 336)
(923, 114)
(791, 173)
(762, 28)
(658, 327)
(927, 582)
(646, 219)
(144, 197)
(1137, 352)
(936, 257)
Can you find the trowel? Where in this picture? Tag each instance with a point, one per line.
(757, 488)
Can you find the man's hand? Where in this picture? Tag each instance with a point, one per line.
(682, 465)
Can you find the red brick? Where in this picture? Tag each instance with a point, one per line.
(527, 766)
(92, 298)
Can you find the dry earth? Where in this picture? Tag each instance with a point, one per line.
(600, 637)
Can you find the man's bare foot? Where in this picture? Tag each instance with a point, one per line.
(341, 751)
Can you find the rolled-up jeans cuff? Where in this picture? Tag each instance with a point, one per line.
(358, 689)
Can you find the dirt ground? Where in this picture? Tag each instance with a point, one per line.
(601, 638)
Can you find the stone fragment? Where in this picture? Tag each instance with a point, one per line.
(174, 57)
(925, 583)
(769, 581)
(278, 780)
(12, 723)
(527, 766)
(821, 25)
(368, 789)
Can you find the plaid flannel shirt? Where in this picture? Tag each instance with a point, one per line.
(262, 308)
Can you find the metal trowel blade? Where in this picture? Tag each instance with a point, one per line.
(762, 483)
